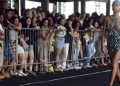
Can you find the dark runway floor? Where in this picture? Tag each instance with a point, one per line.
(90, 77)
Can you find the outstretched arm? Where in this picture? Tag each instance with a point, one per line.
(103, 33)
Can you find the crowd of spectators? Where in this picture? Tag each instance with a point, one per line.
(41, 36)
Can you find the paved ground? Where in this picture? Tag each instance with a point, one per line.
(90, 77)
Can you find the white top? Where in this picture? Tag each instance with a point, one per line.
(75, 35)
(60, 33)
(13, 34)
(92, 26)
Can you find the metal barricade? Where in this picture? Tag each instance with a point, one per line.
(39, 52)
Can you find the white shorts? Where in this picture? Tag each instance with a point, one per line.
(20, 49)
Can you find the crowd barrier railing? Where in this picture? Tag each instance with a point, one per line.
(39, 49)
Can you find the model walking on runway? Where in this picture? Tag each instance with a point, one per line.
(112, 33)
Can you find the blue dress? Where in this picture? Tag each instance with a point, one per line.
(112, 33)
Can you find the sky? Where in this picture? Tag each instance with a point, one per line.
(68, 9)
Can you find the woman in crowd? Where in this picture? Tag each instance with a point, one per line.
(59, 41)
(51, 40)
(89, 44)
(68, 43)
(77, 44)
(15, 27)
(35, 21)
(29, 34)
(42, 42)
(97, 37)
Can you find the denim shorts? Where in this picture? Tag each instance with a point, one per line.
(30, 47)
(7, 53)
(20, 49)
(59, 42)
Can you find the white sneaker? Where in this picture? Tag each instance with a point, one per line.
(70, 66)
(60, 69)
(81, 64)
(21, 74)
(66, 69)
(16, 73)
(77, 68)
(88, 66)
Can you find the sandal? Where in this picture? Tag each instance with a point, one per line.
(2, 77)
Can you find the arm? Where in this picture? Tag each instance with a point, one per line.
(87, 30)
(23, 42)
(70, 30)
(19, 27)
(2, 32)
(34, 22)
(103, 34)
(46, 36)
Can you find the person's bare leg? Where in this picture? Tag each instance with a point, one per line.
(81, 52)
(114, 62)
(26, 59)
(58, 52)
(13, 67)
(5, 73)
(118, 74)
(103, 63)
(22, 60)
(31, 57)
(3, 68)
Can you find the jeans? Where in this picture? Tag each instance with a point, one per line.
(90, 51)
(75, 55)
(7, 53)
(64, 55)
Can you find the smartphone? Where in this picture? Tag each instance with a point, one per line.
(52, 27)
(8, 22)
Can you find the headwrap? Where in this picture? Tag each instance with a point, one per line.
(116, 2)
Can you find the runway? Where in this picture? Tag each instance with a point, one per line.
(90, 77)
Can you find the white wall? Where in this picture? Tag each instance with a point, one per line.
(111, 12)
(31, 4)
(90, 7)
(69, 7)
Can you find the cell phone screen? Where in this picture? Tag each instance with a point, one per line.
(8, 22)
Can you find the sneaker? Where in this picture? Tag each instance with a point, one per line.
(77, 68)
(60, 69)
(16, 73)
(88, 66)
(66, 69)
(2, 77)
(81, 64)
(5, 74)
(94, 65)
(70, 66)
(21, 74)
